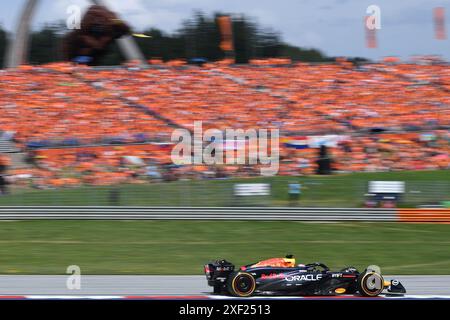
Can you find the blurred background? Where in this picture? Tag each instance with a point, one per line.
(87, 115)
(87, 120)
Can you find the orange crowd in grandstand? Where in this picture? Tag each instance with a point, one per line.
(39, 104)
(84, 125)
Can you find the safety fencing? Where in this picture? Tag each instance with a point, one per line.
(262, 214)
(317, 192)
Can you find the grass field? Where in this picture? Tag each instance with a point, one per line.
(182, 247)
(340, 190)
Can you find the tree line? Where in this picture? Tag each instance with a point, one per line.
(198, 37)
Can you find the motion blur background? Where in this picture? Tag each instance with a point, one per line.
(352, 105)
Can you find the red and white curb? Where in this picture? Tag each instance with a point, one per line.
(99, 297)
(205, 297)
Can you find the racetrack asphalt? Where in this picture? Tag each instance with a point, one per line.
(168, 285)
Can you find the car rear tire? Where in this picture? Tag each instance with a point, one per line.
(241, 284)
(370, 284)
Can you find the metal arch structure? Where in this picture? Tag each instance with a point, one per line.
(18, 47)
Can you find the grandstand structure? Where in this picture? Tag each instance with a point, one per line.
(107, 126)
(18, 48)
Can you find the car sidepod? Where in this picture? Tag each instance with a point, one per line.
(302, 282)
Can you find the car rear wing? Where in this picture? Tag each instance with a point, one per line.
(218, 269)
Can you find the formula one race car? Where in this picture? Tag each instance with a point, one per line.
(281, 276)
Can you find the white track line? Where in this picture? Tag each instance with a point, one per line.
(99, 297)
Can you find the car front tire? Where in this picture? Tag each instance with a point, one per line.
(370, 284)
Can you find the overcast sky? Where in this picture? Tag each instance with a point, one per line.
(333, 26)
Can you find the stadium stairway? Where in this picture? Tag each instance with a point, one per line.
(7, 146)
(15, 155)
(144, 109)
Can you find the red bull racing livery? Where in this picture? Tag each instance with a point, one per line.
(282, 276)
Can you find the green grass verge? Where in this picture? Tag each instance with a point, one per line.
(182, 247)
(334, 191)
